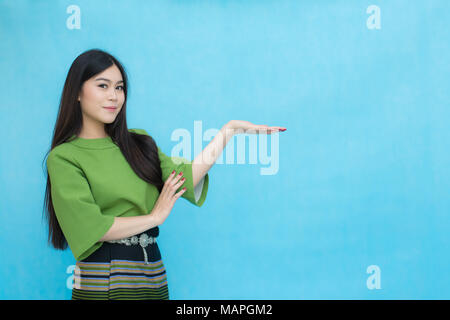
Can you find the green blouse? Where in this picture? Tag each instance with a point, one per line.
(91, 183)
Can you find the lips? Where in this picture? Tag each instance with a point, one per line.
(110, 108)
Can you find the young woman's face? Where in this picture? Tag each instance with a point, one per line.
(103, 90)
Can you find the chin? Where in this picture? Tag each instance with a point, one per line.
(109, 121)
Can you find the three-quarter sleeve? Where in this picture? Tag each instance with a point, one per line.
(195, 195)
(79, 217)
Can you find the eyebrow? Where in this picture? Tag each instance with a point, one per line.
(107, 80)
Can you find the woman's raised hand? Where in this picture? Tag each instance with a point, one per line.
(248, 127)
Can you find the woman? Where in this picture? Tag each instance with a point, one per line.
(110, 187)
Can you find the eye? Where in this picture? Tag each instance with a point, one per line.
(100, 85)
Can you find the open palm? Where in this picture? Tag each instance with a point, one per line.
(249, 127)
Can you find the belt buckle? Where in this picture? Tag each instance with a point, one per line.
(144, 240)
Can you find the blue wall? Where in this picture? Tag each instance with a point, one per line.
(363, 176)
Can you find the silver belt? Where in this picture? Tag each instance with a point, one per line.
(144, 240)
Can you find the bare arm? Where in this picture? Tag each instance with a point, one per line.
(205, 159)
(124, 227)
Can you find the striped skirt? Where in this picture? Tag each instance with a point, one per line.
(118, 272)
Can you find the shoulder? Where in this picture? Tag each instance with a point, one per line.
(63, 152)
(143, 132)
(139, 131)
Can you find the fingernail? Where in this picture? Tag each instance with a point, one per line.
(181, 173)
(173, 171)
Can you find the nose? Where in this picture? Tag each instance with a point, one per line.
(113, 94)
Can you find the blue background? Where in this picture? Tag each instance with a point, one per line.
(364, 174)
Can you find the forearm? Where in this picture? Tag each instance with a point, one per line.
(124, 227)
(205, 159)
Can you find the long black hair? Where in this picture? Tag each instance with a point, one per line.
(139, 150)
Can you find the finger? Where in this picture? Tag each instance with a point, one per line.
(266, 129)
(258, 130)
(263, 128)
(179, 194)
(176, 184)
(179, 183)
(176, 178)
(278, 128)
(168, 182)
(275, 129)
(171, 176)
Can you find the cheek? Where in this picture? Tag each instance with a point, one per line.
(97, 94)
(91, 101)
(121, 97)
(91, 95)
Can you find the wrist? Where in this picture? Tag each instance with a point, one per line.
(228, 129)
(153, 219)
